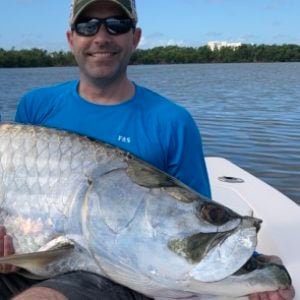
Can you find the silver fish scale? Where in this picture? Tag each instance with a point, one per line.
(43, 168)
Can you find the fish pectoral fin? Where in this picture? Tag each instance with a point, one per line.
(60, 242)
(36, 259)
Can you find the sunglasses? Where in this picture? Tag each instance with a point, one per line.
(89, 26)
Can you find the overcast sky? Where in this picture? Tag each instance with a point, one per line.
(43, 23)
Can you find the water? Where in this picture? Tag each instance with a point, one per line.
(247, 113)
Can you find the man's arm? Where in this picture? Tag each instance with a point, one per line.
(185, 153)
(286, 294)
(6, 248)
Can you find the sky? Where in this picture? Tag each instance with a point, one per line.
(25, 24)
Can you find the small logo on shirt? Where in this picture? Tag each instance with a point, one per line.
(124, 139)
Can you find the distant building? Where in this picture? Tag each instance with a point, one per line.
(221, 44)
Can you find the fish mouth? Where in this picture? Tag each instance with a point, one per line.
(228, 256)
(277, 272)
(215, 256)
(195, 247)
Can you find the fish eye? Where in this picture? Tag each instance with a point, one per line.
(215, 214)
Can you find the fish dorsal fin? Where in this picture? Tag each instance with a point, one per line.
(49, 253)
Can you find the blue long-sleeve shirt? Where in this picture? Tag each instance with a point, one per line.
(148, 125)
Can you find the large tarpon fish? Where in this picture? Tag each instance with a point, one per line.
(71, 203)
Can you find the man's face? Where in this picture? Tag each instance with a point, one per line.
(103, 57)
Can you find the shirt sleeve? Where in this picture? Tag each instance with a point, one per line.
(185, 155)
(22, 112)
(33, 108)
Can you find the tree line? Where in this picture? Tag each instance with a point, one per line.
(161, 55)
(35, 58)
(244, 53)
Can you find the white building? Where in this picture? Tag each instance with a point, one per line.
(220, 44)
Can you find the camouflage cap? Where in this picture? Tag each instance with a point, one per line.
(77, 6)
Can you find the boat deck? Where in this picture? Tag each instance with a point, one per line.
(248, 195)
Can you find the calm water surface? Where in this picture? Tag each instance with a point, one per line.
(248, 113)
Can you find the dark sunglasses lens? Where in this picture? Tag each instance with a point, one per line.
(87, 28)
(114, 26)
(118, 26)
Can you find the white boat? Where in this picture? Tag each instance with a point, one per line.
(248, 195)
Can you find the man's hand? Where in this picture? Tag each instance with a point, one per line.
(286, 294)
(6, 248)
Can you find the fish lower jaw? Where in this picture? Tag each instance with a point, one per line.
(226, 257)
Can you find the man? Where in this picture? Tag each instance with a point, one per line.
(106, 105)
